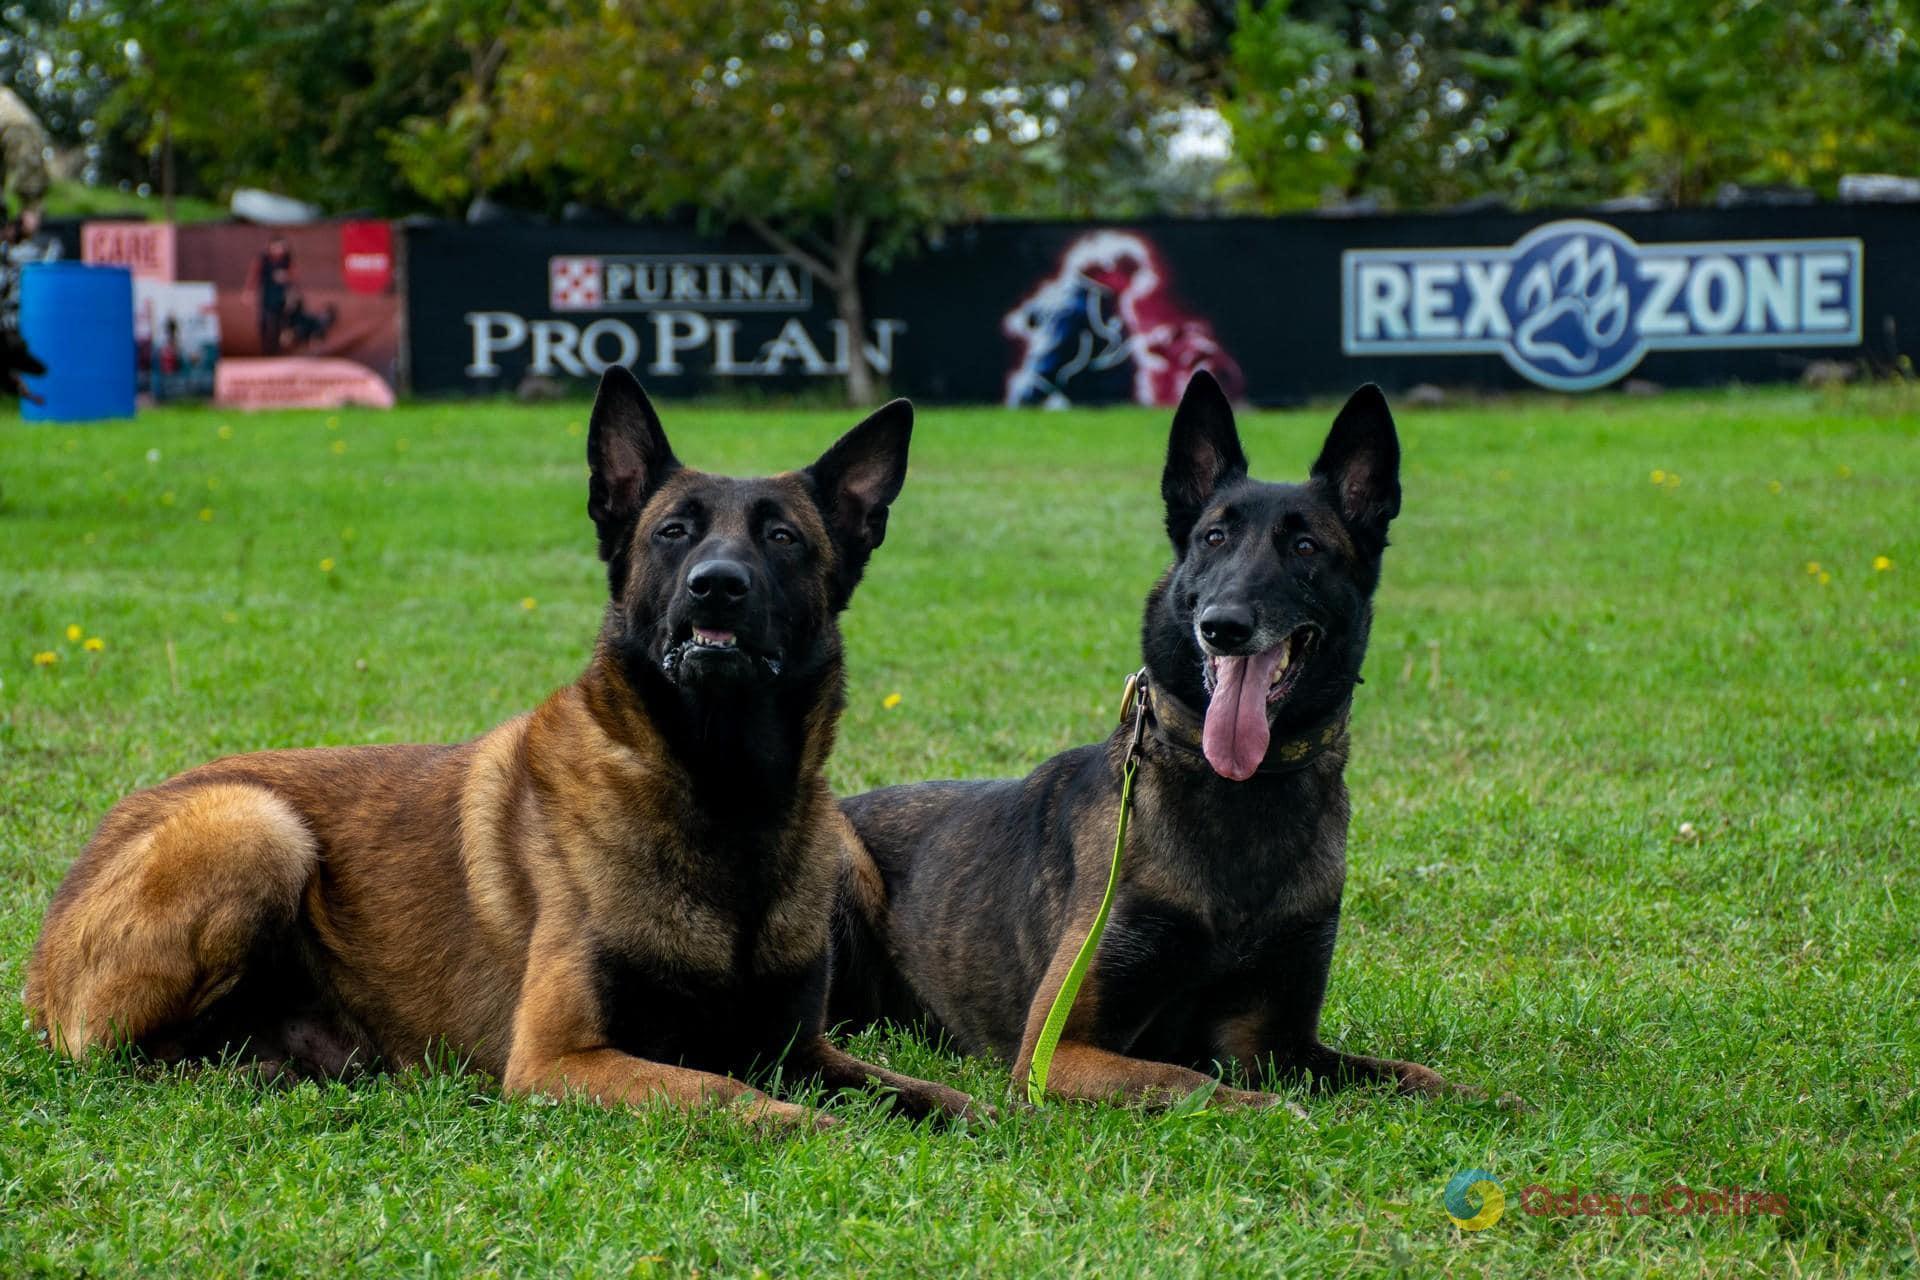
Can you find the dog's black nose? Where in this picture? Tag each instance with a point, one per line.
(1226, 626)
(719, 580)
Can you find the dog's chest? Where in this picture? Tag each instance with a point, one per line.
(730, 1021)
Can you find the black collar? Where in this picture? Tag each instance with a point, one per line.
(1177, 725)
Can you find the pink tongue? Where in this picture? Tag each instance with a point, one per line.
(1235, 737)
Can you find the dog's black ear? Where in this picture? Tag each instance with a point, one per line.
(629, 455)
(1360, 464)
(855, 482)
(1203, 453)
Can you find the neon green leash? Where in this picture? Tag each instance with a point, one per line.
(1135, 700)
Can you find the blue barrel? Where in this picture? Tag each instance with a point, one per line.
(78, 320)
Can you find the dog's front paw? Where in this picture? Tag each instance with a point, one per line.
(773, 1116)
(939, 1100)
(1255, 1100)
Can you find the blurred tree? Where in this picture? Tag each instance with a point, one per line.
(296, 95)
(838, 130)
(1730, 91)
(1367, 101)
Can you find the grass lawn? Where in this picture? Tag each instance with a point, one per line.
(1634, 829)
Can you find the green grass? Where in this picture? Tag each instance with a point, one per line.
(1570, 662)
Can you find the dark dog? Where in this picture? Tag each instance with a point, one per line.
(625, 893)
(967, 901)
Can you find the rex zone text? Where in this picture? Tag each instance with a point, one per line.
(1575, 304)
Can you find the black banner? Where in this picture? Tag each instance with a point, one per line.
(1279, 308)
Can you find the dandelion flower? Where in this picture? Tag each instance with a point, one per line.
(1774, 486)
(1824, 578)
(225, 432)
(1658, 476)
(528, 602)
(333, 422)
(45, 658)
(166, 499)
(153, 455)
(1844, 471)
(206, 514)
(891, 701)
(326, 564)
(1813, 567)
(94, 644)
(338, 447)
(73, 631)
(1882, 563)
(229, 616)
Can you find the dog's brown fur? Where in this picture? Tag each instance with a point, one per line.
(320, 911)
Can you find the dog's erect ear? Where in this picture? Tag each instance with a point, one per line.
(1203, 453)
(1360, 464)
(856, 481)
(629, 455)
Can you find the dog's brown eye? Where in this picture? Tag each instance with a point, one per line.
(1305, 546)
(785, 537)
(1215, 537)
(671, 531)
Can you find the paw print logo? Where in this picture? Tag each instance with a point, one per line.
(1573, 304)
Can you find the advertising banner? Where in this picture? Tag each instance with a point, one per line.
(490, 306)
(1054, 313)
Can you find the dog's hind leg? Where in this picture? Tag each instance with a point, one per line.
(163, 912)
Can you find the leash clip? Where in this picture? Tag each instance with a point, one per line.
(1135, 700)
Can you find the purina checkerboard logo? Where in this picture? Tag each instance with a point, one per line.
(1576, 304)
(573, 284)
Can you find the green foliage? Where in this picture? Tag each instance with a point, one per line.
(1568, 664)
(813, 113)
(1425, 102)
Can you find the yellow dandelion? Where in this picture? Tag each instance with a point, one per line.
(206, 515)
(1774, 486)
(45, 658)
(333, 422)
(528, 602)
(1658, 476)
(326, 564)
(166, 499)
(73, 631)
(1844, 471)
(1824, 578)
(94, 644)
(1673, 481)
(891, 701)
(229, 616)
(573, 429)
(338, 447)
(1813, 567)
(225, 432)
(1882, 563)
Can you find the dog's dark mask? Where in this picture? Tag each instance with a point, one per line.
(1263, 619)
(725, 586)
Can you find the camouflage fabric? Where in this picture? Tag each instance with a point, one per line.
(23, 150)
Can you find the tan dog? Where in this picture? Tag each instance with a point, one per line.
(625, 893)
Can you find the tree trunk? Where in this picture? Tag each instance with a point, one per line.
(837, 266)
(849, 247)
